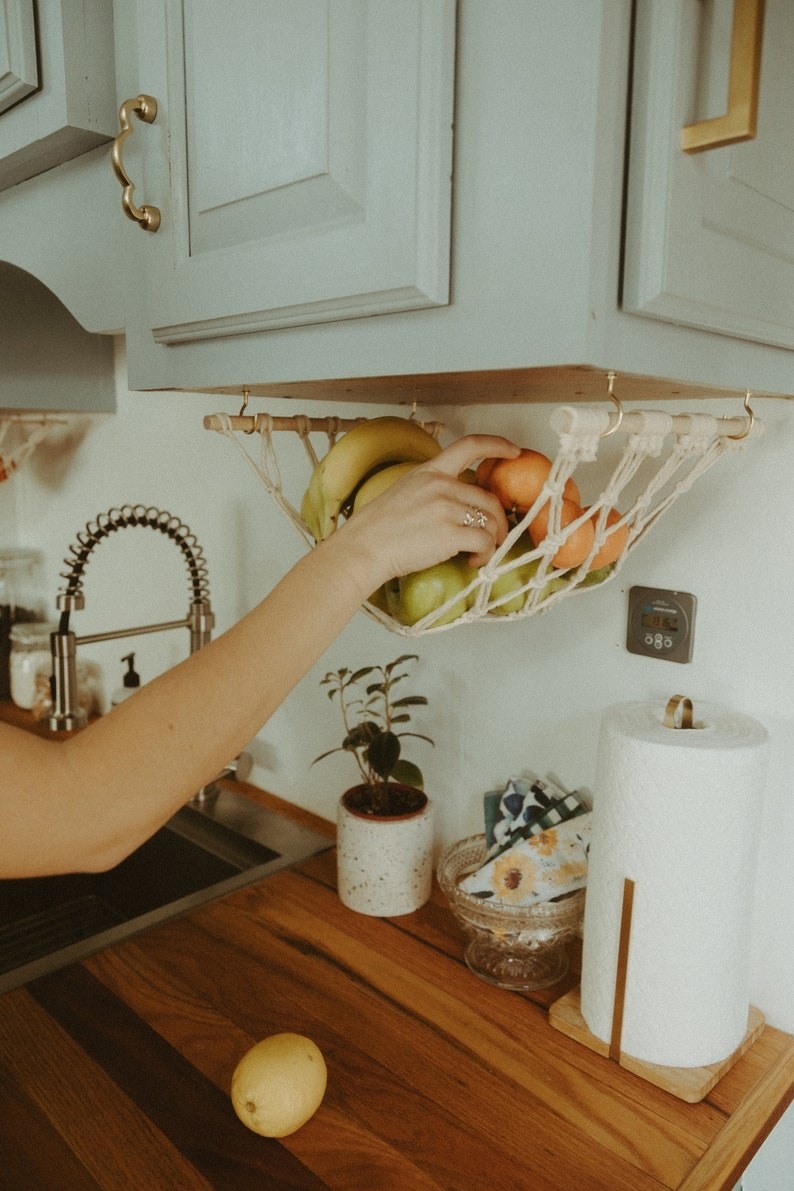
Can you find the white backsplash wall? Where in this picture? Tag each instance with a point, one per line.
(503, 697)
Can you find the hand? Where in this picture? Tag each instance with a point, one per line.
(422, 518)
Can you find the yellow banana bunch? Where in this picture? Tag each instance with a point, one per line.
(365, 449)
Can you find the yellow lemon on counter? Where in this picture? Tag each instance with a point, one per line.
(279, 1084)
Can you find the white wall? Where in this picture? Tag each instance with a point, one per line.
(503, 697)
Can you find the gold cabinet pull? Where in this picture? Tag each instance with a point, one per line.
(738, 123)
(145, 108)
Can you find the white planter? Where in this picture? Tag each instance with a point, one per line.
(384, 865)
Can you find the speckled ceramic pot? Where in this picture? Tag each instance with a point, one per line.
(385, 864)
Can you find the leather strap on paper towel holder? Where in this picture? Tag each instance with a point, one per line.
(678, 712)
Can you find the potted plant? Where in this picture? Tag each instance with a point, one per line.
(385, 821)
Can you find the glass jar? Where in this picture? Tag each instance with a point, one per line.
(89, 690)
(30, 656)
(21, 600)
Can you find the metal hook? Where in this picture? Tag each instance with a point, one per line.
(243, 408)
(617, 401)
(751, 419)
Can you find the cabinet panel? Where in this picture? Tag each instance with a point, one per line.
(19, 68)
(710, 236)
(47, 360)
(309, 166)
(74, 108)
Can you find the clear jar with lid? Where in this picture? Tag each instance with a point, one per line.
(30, 657)
(21, 600)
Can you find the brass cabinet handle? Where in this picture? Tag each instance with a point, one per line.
(145, 108)
(738, 123)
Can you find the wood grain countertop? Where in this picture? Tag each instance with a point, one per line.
(115, 1072)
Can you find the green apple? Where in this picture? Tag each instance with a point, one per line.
(414, 596)
(514, 579)
(593, 578)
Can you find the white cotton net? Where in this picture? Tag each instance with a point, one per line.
(655, 457)
(19, 437)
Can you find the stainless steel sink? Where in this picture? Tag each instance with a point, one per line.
(204, 852)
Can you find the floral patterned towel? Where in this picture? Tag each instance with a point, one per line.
(537, 869)
(517, 806)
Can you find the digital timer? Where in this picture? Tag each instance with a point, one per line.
(661, 623)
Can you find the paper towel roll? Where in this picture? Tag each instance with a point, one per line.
(676, 810)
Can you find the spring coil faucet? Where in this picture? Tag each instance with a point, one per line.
(66, 712)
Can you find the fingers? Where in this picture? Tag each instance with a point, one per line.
(467, 450)
(483, 525)
(478, 514)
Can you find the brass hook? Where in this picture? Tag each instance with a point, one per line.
(243, 408)
(751, 416)
(618, 403)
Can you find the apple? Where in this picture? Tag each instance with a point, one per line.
(412, 597)
(513, 580)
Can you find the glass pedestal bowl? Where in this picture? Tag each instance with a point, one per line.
(515, 947)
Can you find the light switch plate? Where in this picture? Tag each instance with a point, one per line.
(661, 624)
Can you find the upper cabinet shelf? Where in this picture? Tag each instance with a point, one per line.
(288, 213)
(430, 201)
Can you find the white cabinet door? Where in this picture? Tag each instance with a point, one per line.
(57, 86)
(308, 148)
(710, 236)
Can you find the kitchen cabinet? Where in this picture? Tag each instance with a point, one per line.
(542, 100)
(710, 235)
(47, 360)
(59, 201)
(301, 157)
(57, 94)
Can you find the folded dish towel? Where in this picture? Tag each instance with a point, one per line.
(544, 866)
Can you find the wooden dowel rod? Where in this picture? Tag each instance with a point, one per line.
(251, 422)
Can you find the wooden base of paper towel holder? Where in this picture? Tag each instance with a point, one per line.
(687, 1083)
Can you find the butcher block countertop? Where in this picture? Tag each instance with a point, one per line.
(115, 1072)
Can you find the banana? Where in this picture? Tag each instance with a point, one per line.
(368, 446)
(379, 481)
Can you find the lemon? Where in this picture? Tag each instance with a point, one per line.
(279, 1084)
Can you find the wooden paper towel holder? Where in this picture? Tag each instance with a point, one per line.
(686, 1083)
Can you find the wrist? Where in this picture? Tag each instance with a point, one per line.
(351, 559)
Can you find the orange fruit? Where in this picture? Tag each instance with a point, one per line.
(614, 544)
(576, 547)
(518, 482)
(484, 469)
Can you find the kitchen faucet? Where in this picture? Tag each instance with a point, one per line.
(67, 714)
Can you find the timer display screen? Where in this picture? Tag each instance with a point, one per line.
(659, 620)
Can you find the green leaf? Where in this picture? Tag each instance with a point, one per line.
(330, 752)
(410, 701)
(409, 774)
(419, 736)
(359, 674)
(404, 657)
(383, 753)
(360, 736)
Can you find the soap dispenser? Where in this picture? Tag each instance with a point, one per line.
(130, 682)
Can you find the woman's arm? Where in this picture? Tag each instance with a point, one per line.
(86, 803)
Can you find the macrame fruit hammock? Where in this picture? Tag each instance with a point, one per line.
(662, 455)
